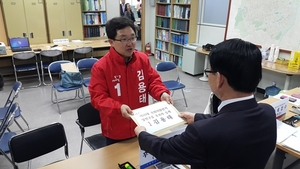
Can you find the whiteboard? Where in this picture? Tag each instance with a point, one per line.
(265, 22)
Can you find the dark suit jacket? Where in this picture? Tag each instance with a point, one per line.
(121, 10)
(241, 136)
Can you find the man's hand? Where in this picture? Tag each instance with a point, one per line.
(188, 116)
(126, 111)
(139, 129)
(166, 97)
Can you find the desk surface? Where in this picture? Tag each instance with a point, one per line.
(71, 46)
(110, 156)
(288, 114)
(267, 65)
(106, 158)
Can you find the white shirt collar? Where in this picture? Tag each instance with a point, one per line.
(225, 102)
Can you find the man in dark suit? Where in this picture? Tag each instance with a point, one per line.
(242, 135)
(122, 8)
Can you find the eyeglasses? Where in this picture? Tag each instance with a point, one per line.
(207, 71)
(124, 40)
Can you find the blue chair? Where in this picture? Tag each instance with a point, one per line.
(37, 142)
(173, 82)
(10, 100)
(20, 64)
(86, 64)
(48, 56)
(6, 136)
(55, 68)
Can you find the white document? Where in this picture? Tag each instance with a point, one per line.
(157, 117)
(284, 131)
(293, 142)
(69, 67)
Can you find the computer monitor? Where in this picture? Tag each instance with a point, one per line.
(19, 44)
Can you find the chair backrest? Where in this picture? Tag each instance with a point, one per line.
(8, 118)
(165, 66)
(83, 51)
(22, 58)
(51, 54)
(168, 71)
(24, 55)
(37, 142)
(13, 93)
(86, 63)
(88, 115)
(55, 67)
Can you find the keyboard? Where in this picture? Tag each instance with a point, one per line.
(21, 49)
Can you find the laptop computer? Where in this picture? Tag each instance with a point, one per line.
(19, 44)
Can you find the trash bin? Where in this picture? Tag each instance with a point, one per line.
(271, 90)
(192, 61)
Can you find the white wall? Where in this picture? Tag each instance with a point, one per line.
(149, 24)
(112, 8)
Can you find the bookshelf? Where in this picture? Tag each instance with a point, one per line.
(176, 25)
(93, 19)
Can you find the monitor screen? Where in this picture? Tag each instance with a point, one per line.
(19, 42)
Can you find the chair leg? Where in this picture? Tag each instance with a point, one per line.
(25, 122)
(5, 155)
(38, 74)
(81, 145)
(82, 92)
(19, 125)
(53, 92)
(184, 98)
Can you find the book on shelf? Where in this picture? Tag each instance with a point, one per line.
(157, 118)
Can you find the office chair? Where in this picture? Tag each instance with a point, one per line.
(55, 68)
(10, 100)
(20, 64)
(172, 79)
(48, 56)
(86, 63)
(37, 142)
(6, 136)
(88, 116)
(82, 51)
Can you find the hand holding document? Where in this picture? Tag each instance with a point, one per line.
(157, 117)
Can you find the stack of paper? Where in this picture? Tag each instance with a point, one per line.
(293, 142)
(284, 131)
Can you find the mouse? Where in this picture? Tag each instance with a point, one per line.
(105, 40)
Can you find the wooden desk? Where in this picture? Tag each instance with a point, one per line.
(267, 65)
(280, 149)
(202, 51)
(70, 47)
(104, 158)
(100, 47)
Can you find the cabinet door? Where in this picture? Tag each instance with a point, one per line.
(36, 23)
(73, 19)
(14, 18)
(56, 19)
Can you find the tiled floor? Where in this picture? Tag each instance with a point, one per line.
(39, 111)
